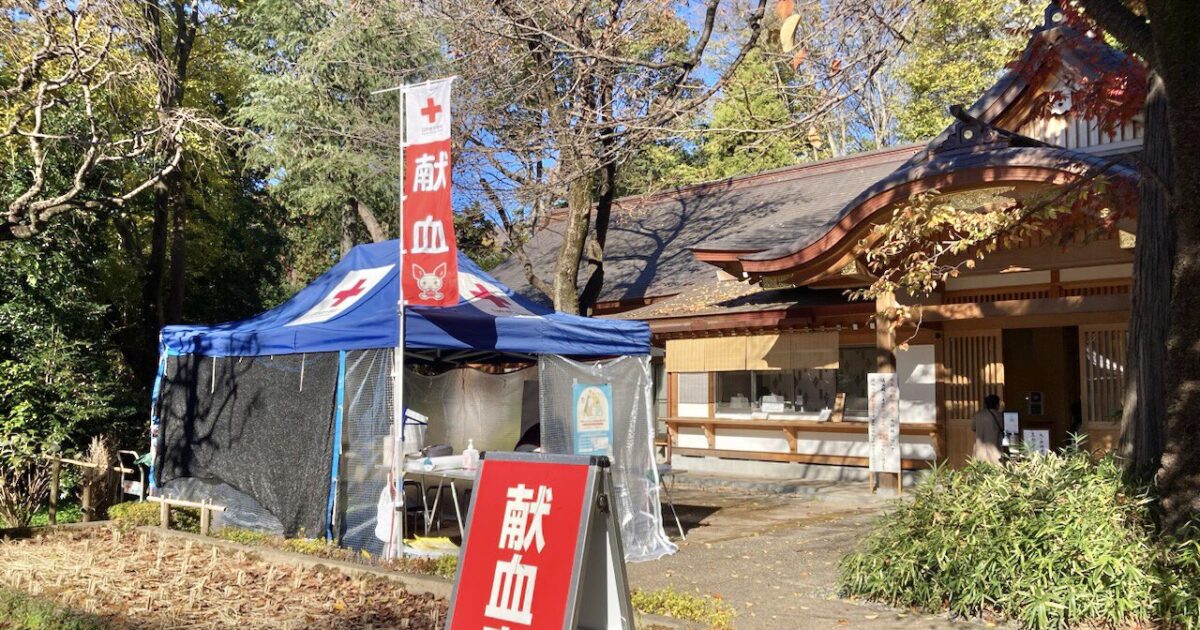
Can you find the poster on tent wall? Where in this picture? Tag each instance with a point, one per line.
(593, 417)
(430, 273)
(883, 418)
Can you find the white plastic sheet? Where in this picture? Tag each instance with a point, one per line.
(635, 474)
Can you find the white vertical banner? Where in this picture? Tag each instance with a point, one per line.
(429, 268)
(883, 424)
(427, 112)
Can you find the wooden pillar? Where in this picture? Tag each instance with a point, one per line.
(885, 335)
(55, 476)
(164, 515)
(85, 500)
(672, 394)
(205, 519)
(939, 361)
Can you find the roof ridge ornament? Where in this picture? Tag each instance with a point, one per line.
(968, 134)
(1053, 17)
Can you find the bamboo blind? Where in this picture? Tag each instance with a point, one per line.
(814, 351)
(685, 355)
(974, 368)
(1103, 349)
(767, 352)
(724, 354)
(787, 351)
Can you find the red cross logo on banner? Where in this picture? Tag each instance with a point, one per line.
(431, 110)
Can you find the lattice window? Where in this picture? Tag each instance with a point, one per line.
(1103, 350)
(693, 388)
(1096, 290)
(974, 368)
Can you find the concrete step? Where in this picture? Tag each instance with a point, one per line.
(851, 491)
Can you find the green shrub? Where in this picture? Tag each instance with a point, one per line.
(67, 513)
(446, 566)
(685, 606)
(1180, 572)
(243, 536)
(139, 513)
(18, 610)
(1049, 541)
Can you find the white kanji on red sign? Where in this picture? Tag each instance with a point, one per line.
(511, 598)
(430, 174)
(522, 524)
(429, 237)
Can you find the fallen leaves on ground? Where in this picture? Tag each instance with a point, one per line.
(134, 580)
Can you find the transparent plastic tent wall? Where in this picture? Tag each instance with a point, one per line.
(233, 430)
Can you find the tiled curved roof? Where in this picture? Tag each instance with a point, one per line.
(965, 149)
(650, 238)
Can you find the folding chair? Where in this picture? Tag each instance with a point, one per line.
(664, 471)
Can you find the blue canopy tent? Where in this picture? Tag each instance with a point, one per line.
(488, 317)
(287, 409)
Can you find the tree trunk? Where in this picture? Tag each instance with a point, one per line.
(1176, 39)
(374, 227)
(575, 233)
(179, 218)
(595, 283)
(1142, 421)
(152, 290)
(347, 227)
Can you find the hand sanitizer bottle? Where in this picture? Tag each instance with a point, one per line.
(470, 456)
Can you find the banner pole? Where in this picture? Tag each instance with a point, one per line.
(398, 453)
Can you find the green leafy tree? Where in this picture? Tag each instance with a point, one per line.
(61, 379)
(478, 236)
(332, 146)
(751, 124)
(958, 50)
(750, 128)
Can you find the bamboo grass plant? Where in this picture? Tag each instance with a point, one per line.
(1049, 541)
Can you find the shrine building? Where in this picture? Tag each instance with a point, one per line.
(744, 284)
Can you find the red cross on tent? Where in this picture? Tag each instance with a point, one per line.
(481, 292)
(488, 297)
(346, 294)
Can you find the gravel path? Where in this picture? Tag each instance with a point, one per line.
(774, 558)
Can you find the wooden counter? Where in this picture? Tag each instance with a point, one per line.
(790, 429)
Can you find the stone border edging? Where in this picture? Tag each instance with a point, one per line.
(19, 533)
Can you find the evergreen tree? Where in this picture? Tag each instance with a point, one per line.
(959, 48)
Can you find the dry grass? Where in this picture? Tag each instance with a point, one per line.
(132, 580)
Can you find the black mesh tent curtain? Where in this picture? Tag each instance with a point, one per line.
(267, 426)
(263, 425)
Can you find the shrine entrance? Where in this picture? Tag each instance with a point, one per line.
(1041, 380)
